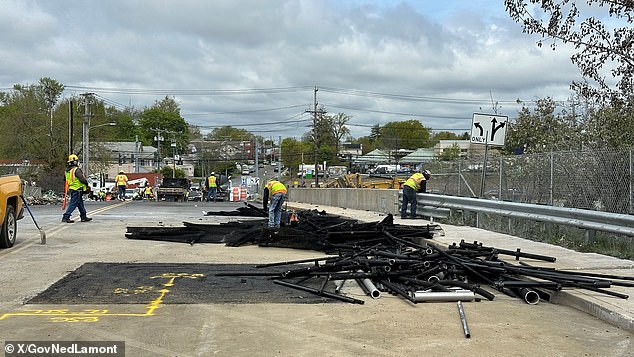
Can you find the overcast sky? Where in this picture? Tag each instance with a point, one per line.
(254, 64)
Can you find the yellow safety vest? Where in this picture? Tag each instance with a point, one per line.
(276, 187)
(212, 181)
(122, 180)
(73, 183)
(414, 181)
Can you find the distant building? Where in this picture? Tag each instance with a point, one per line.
(418, 156)
(466, 147)
(350, 150)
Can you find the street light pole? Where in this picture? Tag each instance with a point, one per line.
(85, 130)
(174, 158)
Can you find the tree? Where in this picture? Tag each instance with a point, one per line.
(410, 134)
(447, 135)
(609, 127)
(296, 152)
(168, 105)
(51, 90)
(601, 50)
(229, 133)
(367, 144)
(543, 129)
(450, 153)
(339, 128)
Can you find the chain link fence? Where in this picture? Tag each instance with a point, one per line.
(599, 180)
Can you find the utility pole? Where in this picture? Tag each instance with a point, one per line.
(137, 151)
(70, 127)
(86, 133)
(315, 143)
(159, 138)
(279, 162)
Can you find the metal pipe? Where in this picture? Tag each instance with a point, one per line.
(395, 288)
(473, 287)
(530, 296)
(339, 286)
(436, 277)
(463, 319)
(369, 287)
(317, 292)
(458, 295)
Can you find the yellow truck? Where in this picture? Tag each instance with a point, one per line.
(11, 208)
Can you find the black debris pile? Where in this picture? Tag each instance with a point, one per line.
(313, 230)
(248, 210)
(422, 273)
(198, 233)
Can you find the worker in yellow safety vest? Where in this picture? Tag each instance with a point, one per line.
(212, 187)
(274, 191)
(415, 184)
(122, 183)
(148, 192)
(76, 185)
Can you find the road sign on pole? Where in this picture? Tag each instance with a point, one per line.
(488, 129)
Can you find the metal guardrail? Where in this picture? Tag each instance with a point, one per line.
(585, 219)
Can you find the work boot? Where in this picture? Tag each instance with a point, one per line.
(67, 220)
(86, 219)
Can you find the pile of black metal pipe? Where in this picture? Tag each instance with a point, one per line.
(426, 272)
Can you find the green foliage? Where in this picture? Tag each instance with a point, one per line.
(551, 127)
(367, 143)
(294, 151)
(170, 125)
(450, 153)
(604, 44)
(229, 133)
(609, 127)
(167, 171)
(410, 134)
(447, 135)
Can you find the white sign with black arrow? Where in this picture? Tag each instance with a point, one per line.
(488, 129)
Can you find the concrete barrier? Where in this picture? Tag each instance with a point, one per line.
(377, 200)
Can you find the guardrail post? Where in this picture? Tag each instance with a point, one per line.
(631, 211)
(590, 235)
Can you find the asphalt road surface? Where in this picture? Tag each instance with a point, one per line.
(90, 283)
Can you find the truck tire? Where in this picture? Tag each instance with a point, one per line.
(9, 228)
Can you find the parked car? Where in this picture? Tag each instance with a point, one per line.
(195, 195)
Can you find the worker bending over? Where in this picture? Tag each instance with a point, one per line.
(415, 184)
(274, 191)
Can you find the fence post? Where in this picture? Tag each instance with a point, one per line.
(630, 200)
(500, 184)
(552, 175)
(458, 176)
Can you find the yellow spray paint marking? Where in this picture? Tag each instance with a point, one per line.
(93, 315)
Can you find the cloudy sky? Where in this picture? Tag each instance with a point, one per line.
(255, 64)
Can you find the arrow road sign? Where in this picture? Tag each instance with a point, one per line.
(488, 129)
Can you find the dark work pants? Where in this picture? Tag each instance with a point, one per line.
(76, 201)
(409, 197)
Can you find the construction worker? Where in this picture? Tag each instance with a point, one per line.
(415, 184)
(212, 187)
(274, 191)
(76, 185)
(148, 192)
(122, 183)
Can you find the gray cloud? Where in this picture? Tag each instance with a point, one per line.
(464, 52)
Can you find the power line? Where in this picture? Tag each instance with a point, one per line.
(245, 111)
(192, 92)
(399, 113)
